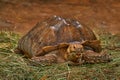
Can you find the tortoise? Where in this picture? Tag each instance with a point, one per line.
(59, 39)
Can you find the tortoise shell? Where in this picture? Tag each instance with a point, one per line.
(48, 35)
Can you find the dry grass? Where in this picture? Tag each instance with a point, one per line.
(16, 67)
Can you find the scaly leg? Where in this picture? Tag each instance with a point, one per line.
(92, 57)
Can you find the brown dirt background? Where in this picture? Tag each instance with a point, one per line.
(21, 15)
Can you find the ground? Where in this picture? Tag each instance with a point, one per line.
(16, 67)
(21, 16)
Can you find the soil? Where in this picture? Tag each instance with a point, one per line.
(21, 15)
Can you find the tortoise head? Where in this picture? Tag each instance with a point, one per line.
(75, 47)
(75, 51)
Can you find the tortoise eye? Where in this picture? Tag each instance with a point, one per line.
(74, 47)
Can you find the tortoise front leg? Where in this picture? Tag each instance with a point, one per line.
(93, 57)
(47, 59)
